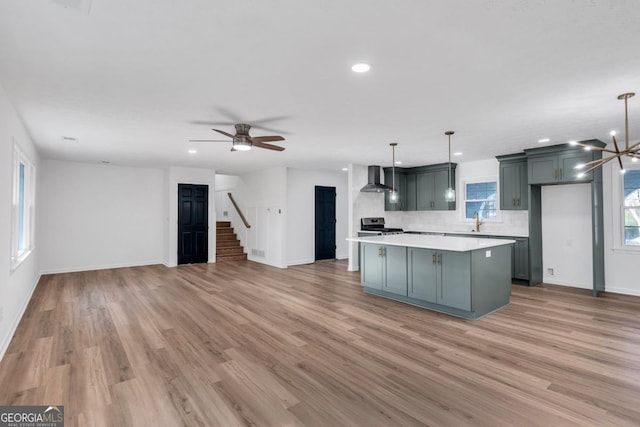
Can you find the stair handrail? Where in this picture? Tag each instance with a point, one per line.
(235, 205)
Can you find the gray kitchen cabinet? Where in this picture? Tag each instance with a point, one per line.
(400, 186)
(441, 277)
(411, 193)
(520, 259)
(421, 188)
(514, 185)
(558, 167)
(431, 188)
(384, 267)
(422, 281)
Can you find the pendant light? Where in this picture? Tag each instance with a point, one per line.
(394, 193)
(450, 194)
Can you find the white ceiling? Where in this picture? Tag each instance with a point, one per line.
(130, 78)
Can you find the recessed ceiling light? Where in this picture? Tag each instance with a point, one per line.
(612, 133)
(345, 169)
(192, 151)
(543, 140)
(458, 153)
(398, 162)
(360, 68)
(69, 139)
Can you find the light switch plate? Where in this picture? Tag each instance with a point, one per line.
(487, 254)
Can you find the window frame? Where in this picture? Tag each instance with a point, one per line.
(617, 205)
(480, 180)
(622, 208)
(23, 195)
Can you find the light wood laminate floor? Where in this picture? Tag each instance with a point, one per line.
(241, 343)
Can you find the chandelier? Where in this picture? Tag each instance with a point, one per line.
(632, 151)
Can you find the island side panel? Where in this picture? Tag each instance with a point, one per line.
(490, 278)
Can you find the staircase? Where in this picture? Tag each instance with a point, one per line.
(227, 244)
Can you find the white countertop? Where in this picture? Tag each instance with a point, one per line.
(482, 232)
(443, 243)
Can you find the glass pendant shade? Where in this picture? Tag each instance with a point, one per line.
(450, 195)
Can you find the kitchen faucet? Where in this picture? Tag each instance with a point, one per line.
(476, 216)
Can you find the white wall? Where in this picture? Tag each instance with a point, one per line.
(181, 175)
(301, 213)
(15, 286)
(360, 205)
(224, 209)
(621, 263)
(262, 196)
(566, 235)
(95, 216)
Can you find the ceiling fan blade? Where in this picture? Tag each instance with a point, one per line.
(268, 146)
(266, 138)
(209, 140)
(206, 123)
(224, 133)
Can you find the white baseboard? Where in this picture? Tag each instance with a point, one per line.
(554, 280)
(16, 321)
(103, 267)
(301, 262)
(623, 291)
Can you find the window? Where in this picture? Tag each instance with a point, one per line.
(631, 207)
(22, 208)
(481, 197)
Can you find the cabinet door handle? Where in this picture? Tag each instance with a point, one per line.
(439, 258)
(513, 202)
(433, 258)
(518, 199)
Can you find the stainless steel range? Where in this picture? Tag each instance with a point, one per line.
(376, 226)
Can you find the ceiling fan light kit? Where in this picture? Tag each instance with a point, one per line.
(628, 150)
(242, 141)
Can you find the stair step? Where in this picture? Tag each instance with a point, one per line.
(229, 251)
(226, 237)
(223, 258)
(227, 243)
(223, 223)
(224, 230)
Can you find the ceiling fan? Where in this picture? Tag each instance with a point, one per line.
(242, 141)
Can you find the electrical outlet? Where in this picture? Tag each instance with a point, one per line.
(225, 214)
(550, 271)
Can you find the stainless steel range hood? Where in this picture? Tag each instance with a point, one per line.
(374, 185)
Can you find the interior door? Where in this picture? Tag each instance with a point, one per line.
(193, 223)
(325, 222)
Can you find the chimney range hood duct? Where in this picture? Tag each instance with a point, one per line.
(374, 185)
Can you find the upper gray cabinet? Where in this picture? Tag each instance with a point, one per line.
(514, 188)
(557, 164)
(400, 185)
(421, 188)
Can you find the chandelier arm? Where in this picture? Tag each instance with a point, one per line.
(615, 144)
(600, 163)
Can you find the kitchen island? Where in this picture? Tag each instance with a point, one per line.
(462, 276)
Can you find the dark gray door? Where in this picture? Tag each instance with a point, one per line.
(325, 222)
(193, 223)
